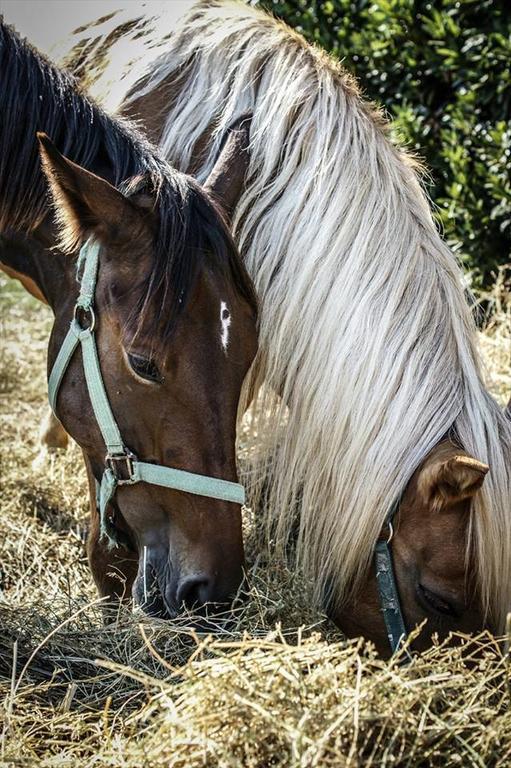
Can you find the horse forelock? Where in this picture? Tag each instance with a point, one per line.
(191, 236)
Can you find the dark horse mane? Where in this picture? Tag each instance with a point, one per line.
(36, 96)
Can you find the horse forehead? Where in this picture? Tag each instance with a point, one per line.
(433, 534)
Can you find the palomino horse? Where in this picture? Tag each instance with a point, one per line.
(365, 332)
(165, 316)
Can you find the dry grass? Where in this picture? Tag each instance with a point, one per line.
(274, 686)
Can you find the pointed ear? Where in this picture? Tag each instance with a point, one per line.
(226, 180)
(85, 203)
(452, 478)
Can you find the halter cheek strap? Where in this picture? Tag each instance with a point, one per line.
(121, 465)
(387, 588)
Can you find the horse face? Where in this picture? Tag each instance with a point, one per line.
(175, 402)
(177, 407)
(429, 549)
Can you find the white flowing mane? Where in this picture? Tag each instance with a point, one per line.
(365, 330)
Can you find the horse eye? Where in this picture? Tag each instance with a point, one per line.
(144, 368)
(430, 600)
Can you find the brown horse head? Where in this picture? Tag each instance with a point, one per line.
(176, 334)
(432, 563)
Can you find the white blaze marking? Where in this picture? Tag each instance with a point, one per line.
(225, 321)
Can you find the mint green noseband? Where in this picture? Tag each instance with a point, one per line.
(122, 467)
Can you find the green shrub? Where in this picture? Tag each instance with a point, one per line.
(442, 69)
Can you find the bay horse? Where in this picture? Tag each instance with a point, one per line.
(151, 397)
(365, 336)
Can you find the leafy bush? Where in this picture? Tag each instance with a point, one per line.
(442, 69)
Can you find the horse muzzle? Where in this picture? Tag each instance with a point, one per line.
(164, 591)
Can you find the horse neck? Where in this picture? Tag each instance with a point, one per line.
(38, 96)
(42, 269)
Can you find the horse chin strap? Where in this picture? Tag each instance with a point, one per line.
(387, 588)
(122, 467)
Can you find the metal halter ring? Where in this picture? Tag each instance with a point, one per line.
(80, 313)
(389, 533)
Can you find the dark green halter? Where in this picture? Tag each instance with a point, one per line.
(387, 588)
(122, 467)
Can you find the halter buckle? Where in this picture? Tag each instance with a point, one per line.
(122, 467)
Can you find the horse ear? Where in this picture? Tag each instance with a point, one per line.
(452, 479)
(226, 180)
(86, 204)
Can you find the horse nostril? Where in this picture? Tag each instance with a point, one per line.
(193, 591)
(147, 594)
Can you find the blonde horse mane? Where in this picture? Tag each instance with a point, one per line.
(365, 331)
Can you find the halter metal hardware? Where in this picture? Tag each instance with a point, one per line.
(387, 532)
(122, 467)
(82, 314)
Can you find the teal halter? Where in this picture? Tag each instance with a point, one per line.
(121, 465)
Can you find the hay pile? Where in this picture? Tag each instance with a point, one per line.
(275, 686)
